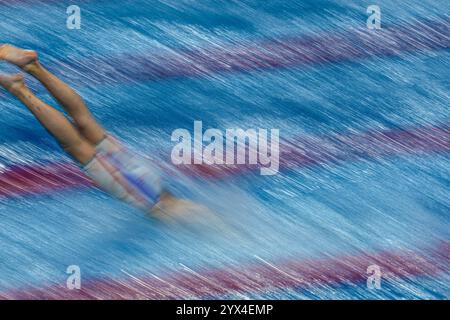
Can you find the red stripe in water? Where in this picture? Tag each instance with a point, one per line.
(297, 153)
(309, 151)
(30, 179)
(259, 276)
(257, 55)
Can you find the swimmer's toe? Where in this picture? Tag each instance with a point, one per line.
(17, 56)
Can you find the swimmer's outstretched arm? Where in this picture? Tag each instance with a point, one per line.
(71, 101)
(185, 212)
(55, 122)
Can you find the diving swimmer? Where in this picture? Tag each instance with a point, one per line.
(113, 168)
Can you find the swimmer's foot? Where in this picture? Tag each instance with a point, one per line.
(12, 82)
(20, 57)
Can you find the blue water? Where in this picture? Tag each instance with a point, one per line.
(355, 207)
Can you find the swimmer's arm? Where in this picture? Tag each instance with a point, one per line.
(173, 209)
(166, 199)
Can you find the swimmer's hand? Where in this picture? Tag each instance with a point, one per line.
(184, 212)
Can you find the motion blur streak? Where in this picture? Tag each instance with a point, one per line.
(364, 124)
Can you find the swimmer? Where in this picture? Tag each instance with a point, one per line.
(113, 168)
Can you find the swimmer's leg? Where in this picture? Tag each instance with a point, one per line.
(65, 95)
(55, 122)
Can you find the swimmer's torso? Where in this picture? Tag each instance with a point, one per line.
(125, 174)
